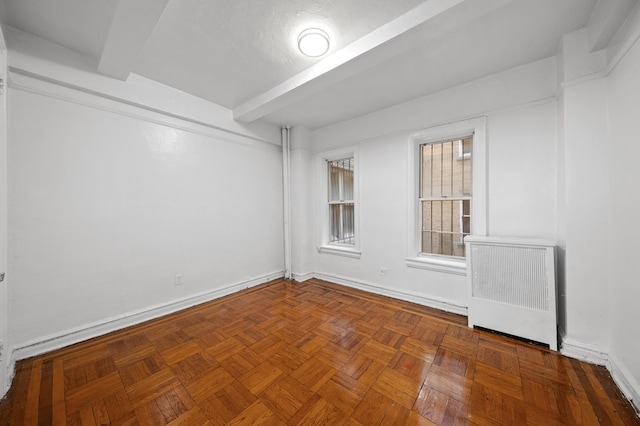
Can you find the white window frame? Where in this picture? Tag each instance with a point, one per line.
(477, 128)
(346, 250)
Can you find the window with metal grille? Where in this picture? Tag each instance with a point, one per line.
(341, 201)
(445, 196)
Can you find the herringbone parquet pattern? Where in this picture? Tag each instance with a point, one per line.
(310, 353)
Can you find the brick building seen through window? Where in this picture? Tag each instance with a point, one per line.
(445, 196)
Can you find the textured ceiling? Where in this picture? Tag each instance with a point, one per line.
(242, 54)
(234, 50)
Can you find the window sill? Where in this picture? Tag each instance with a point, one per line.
(456, 267)
(340, 251)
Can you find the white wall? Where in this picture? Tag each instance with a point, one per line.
(587, 226)
(106, 209)
(624, 284)
(599, 175)
(4, 342)
(301, 202)
(522, 172)
(582, 218)
(109, 200)
(522, 181)
(511, 88)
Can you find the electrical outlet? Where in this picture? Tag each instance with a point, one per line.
(179, 279)
(383, 270)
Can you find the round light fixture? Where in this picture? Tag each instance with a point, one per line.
(313, 42)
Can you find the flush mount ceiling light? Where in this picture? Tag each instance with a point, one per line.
(313, 42)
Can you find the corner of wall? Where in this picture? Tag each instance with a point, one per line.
(599, 355)
(5, 363)
(584, 351)
(301, 203)
(576, 61)
(580, 99)
(629, 386)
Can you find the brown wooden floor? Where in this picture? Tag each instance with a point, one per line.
(310, 353)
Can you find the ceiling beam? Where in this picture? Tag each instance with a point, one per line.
(354, 58)
(132, 25)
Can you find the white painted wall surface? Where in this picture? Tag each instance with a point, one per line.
(511, 88)
(4, 342)
(301, 202)
(586, 202)
(522, 171)
(522, 181)
(624, 234)
(108, 203)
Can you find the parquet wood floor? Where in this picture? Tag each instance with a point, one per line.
(310, 353)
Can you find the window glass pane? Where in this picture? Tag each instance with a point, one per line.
(340, 174)
(334, 182)
(342, 223)
(466, 170)
(445, 177)
(436, 216)
(466, 217)
(348, 232)
(334, 222)
(466, 145)
(447, 244)
(347, 184)
(425, 178)
(444, 227)
(446, 168)
(456, 215)
(457, 171)
(426, 215)
(436, 170)
(427, 243)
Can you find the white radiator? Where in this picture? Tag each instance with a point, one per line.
(511, 286)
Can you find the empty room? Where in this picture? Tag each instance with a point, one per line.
(319, 212)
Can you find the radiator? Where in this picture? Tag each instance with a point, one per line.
(511, 284)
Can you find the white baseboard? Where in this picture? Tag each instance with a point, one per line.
(587, 352)
(421, 299)
(302, 276)
(599, 355)
(99, 328)
(628, 385)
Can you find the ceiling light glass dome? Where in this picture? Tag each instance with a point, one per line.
(313, 42)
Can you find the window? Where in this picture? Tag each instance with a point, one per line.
(445, 196)
(338, 202)
(341, 201)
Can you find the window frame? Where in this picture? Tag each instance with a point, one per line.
(325, 246)
(447, 132)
